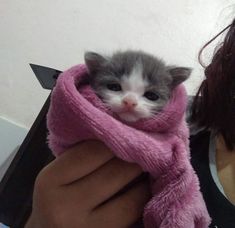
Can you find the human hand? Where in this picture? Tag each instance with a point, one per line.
(78, 189)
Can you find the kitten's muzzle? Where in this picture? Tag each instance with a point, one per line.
(129, 103)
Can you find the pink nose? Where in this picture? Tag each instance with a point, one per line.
(129, 103)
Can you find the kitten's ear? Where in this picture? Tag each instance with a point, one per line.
(94, 61)
(179, 74)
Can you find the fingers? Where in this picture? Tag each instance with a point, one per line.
(105, 181)
(89, 187)
(77, 162)
(126, 209)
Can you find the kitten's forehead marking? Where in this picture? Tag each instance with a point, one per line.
(135, 82)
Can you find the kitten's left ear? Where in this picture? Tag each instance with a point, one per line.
(179, 74)
(94, 61)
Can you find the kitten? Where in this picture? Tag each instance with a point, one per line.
(133, 84)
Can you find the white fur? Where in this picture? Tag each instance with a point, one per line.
(133, 87)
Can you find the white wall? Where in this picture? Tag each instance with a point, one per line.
(11, 137)
(56, 33)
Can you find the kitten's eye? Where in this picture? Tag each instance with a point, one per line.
(114, 87)
(151, 96)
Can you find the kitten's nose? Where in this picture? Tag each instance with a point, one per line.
(129, 102)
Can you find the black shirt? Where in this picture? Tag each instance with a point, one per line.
(220, 209)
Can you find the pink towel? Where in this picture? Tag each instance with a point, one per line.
(159, 145)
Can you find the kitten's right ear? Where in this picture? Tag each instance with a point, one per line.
(94, 61)
(179, 74)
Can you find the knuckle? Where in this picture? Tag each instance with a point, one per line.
(41, 180)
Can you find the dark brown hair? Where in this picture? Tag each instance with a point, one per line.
(214, 103)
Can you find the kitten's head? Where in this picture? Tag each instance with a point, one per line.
(133, 84)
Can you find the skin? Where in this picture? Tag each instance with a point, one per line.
(225, 162)
(75, 189)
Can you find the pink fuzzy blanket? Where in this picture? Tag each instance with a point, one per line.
(159, 145)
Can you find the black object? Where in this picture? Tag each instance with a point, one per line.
(45, 75)
(16, 187)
